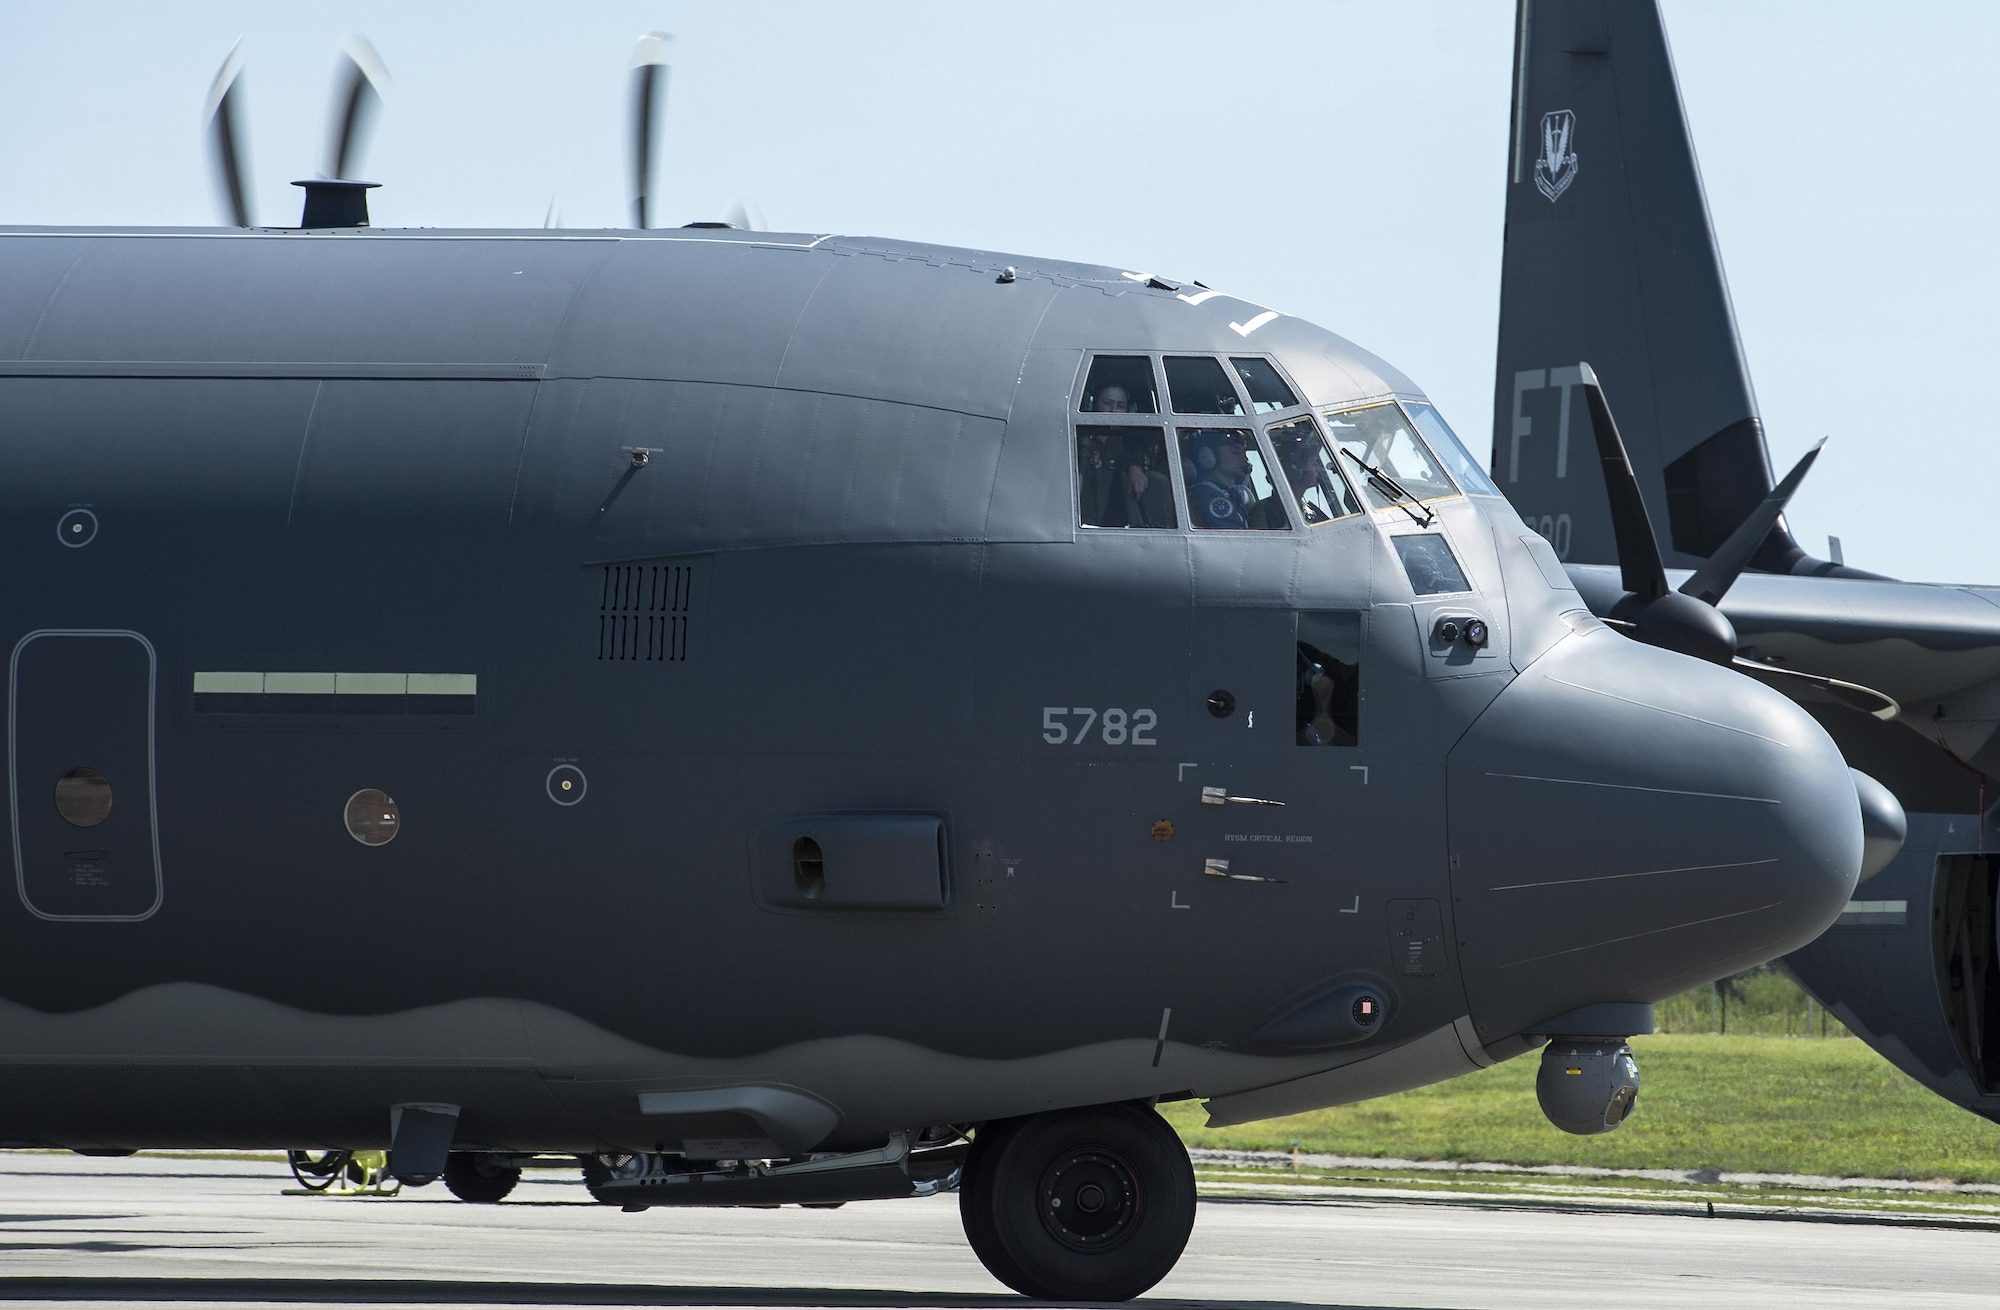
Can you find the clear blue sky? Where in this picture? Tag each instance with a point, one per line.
(1339, 160)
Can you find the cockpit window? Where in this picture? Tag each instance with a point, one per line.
(1317, 484)
(1122, 478)
(1432, 568)
(1199, 386)
(1268, 392)
(1380, 436)
(1446, 445)
(1227, 481)
(1329, 678)
(1120, 384)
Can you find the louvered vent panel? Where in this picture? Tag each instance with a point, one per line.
(643, 613)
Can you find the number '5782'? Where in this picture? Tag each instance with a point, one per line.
(1113, 727)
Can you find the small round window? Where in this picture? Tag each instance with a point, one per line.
(372, 817)
(83, 797)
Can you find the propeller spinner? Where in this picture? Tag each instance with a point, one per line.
(1687, 620)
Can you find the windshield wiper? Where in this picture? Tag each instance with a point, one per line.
(1394, 488)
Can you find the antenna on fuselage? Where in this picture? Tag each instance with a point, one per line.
(649, 107)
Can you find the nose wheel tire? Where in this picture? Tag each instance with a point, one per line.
(1078, 1205)
(471, 1176)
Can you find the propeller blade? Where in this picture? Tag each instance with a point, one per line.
(357, 95)
(1851, 694)
(553, 218)
(225, 140)
(649, 104)
(1719, 572)
(1639, 567)
(747, 216)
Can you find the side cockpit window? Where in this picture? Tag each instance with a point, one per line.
(1121, 473)
(1120, 384)
(1317, 483)
(1329, 678)
(1229, 484)
(1198, 385)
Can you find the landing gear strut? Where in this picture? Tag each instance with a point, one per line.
(1078, 1205)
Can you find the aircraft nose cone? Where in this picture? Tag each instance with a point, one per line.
(1627, 823)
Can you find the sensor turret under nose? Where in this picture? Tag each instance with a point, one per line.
(1587, 1086)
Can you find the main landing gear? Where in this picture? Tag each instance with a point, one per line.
(1078, 1205)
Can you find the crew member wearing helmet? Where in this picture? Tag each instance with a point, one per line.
(1219, 493)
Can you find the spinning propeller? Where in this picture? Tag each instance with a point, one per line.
(225, 139)
(650, 71)
(1687, 620)
(333, 199)
(649, 105)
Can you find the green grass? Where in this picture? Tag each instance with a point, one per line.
(1761, 1002)
(1732, 1103)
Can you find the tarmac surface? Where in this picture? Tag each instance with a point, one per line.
(175, 1230)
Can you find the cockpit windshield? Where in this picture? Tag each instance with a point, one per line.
(1380, 435)
(1446, 445)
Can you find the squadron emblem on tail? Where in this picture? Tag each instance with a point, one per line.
(1555, 167)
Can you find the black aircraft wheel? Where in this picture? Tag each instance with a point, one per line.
(975, 1200)
(316, 1170)
(1080, 1205)
(471, 1176)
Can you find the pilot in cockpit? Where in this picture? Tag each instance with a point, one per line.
(1303, 458)
(1220, 495)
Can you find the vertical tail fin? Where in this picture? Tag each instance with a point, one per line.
(1610, 259)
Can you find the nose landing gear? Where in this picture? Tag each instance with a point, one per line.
(1078, 1205)
(482, 1179)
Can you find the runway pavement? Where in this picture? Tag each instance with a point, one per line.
(219, 1232)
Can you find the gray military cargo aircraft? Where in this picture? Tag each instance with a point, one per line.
(802, 718)
(1610, 259)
